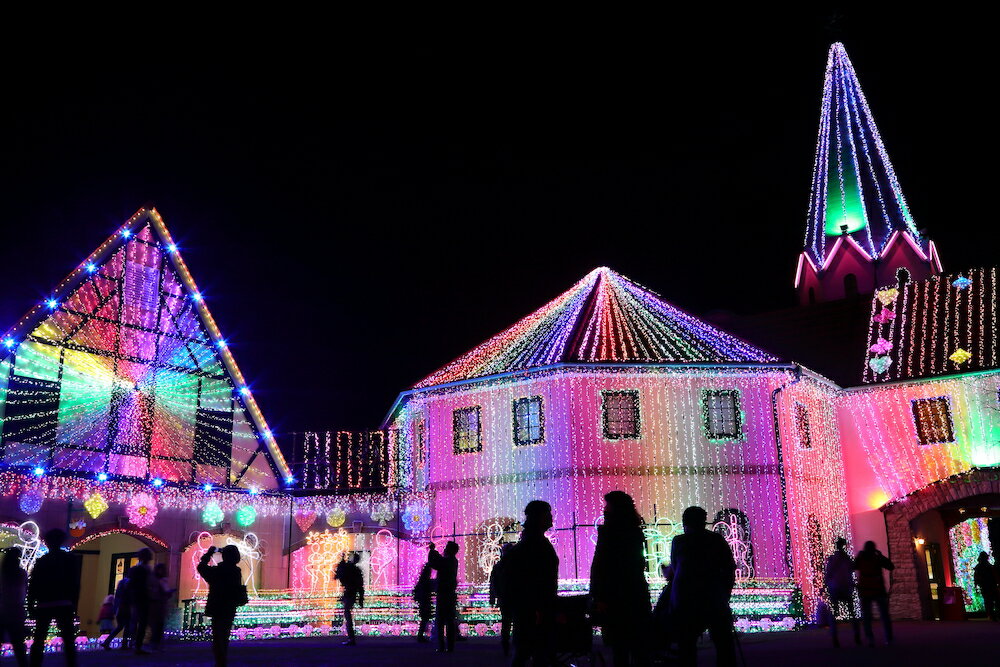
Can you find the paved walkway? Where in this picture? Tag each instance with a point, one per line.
(917, 643)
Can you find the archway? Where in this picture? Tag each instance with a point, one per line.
(919, 530)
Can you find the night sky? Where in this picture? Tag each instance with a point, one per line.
(359, 207)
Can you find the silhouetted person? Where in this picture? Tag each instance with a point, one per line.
(529, 586)
(106, 616)
(53, 591)
(839, 579)
(704, 576)
(140, 577)
(617, 580)
(871, 589)
(159, 605)
(423, 595)
(353, 581)
(498, 598)
(446, 618)
(226, 593)
(13, 591)
(123, 616)
(984, 575)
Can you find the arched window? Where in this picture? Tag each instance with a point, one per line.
(734, 526)
(850, 285)
(812, 296)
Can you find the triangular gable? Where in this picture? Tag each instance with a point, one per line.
(122, 370)
(604, 318)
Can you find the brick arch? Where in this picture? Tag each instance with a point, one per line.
(906, 601)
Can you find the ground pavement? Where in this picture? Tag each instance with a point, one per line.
(916, 643)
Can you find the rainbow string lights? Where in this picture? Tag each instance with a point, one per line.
(854, 187)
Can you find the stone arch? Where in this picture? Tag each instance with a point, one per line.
(906, 600)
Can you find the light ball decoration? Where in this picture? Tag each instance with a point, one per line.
(336, 517)
(30, 502)
(246, 515)
(95, 504)
(417, 518)
(141, 509)
(212, 515)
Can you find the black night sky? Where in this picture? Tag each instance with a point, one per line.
(360, 207)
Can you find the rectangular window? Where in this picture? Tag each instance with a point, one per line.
(802, 426)
(467, 430)
(721, 409)
(621, 414)
(529, 421)
(932, 417)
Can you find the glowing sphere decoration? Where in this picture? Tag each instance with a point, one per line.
(336, 517)
(212, 515)
(141, 509)
(246, 515)
(95, 504)
(30, 502)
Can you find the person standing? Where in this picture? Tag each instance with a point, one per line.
(704, 574)
(159, 604)
(839, 579)
(499, 600)
(226, 593)
(446, 618)
(13, 591)
(423, 595)
(530, 585)
(53, 591)
(140, 577)
(123, 616)
(106, 617)
(353, 581)
(870, 563)
(984, 575)
(618, 581)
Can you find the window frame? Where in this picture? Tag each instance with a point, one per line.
(636, 432)
(528, 400)
(456, 417)
(707, 395)
(925, 433)
(803, 429)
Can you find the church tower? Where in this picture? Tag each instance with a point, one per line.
(859, 233)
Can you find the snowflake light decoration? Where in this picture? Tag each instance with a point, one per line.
(141, 509)
(417, 518)
(382, 513)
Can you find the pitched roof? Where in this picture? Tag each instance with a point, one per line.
(122, 370)
(944, 325)
(854, 184)
(604, 318)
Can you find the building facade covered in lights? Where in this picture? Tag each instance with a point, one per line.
(124, 417)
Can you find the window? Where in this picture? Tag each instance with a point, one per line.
(721, 409)
(850, 285)
(467, 430)
(621, 414)
(529, 421)
(932, 417)
(802, 426)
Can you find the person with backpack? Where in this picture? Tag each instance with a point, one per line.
(226, 593)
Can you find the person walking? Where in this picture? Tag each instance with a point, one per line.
(870, 563)
(53, 592)
(123, 616)
(445, 619)
(226, 593)
(618, 582)
(140, 577)
(839, 579)
(984, 576)
(499, 600)
(423, 595)
(159, 605)
(530, 585)
(13, 591)
(353, 581)
(704, 574)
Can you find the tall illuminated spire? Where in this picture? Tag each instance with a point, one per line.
(854, 188)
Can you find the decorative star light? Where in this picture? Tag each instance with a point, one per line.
(881, 346)
(95, 504)
(961, 282)
(960, 356)
(887, 296)
(885, 315)
(212, 514)
(880, 364)
(141, 509)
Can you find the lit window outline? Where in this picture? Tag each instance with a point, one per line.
(940, 433)
(462, 434)
(518, 427)
(633, 394)
(802, 426)
(717, 432)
